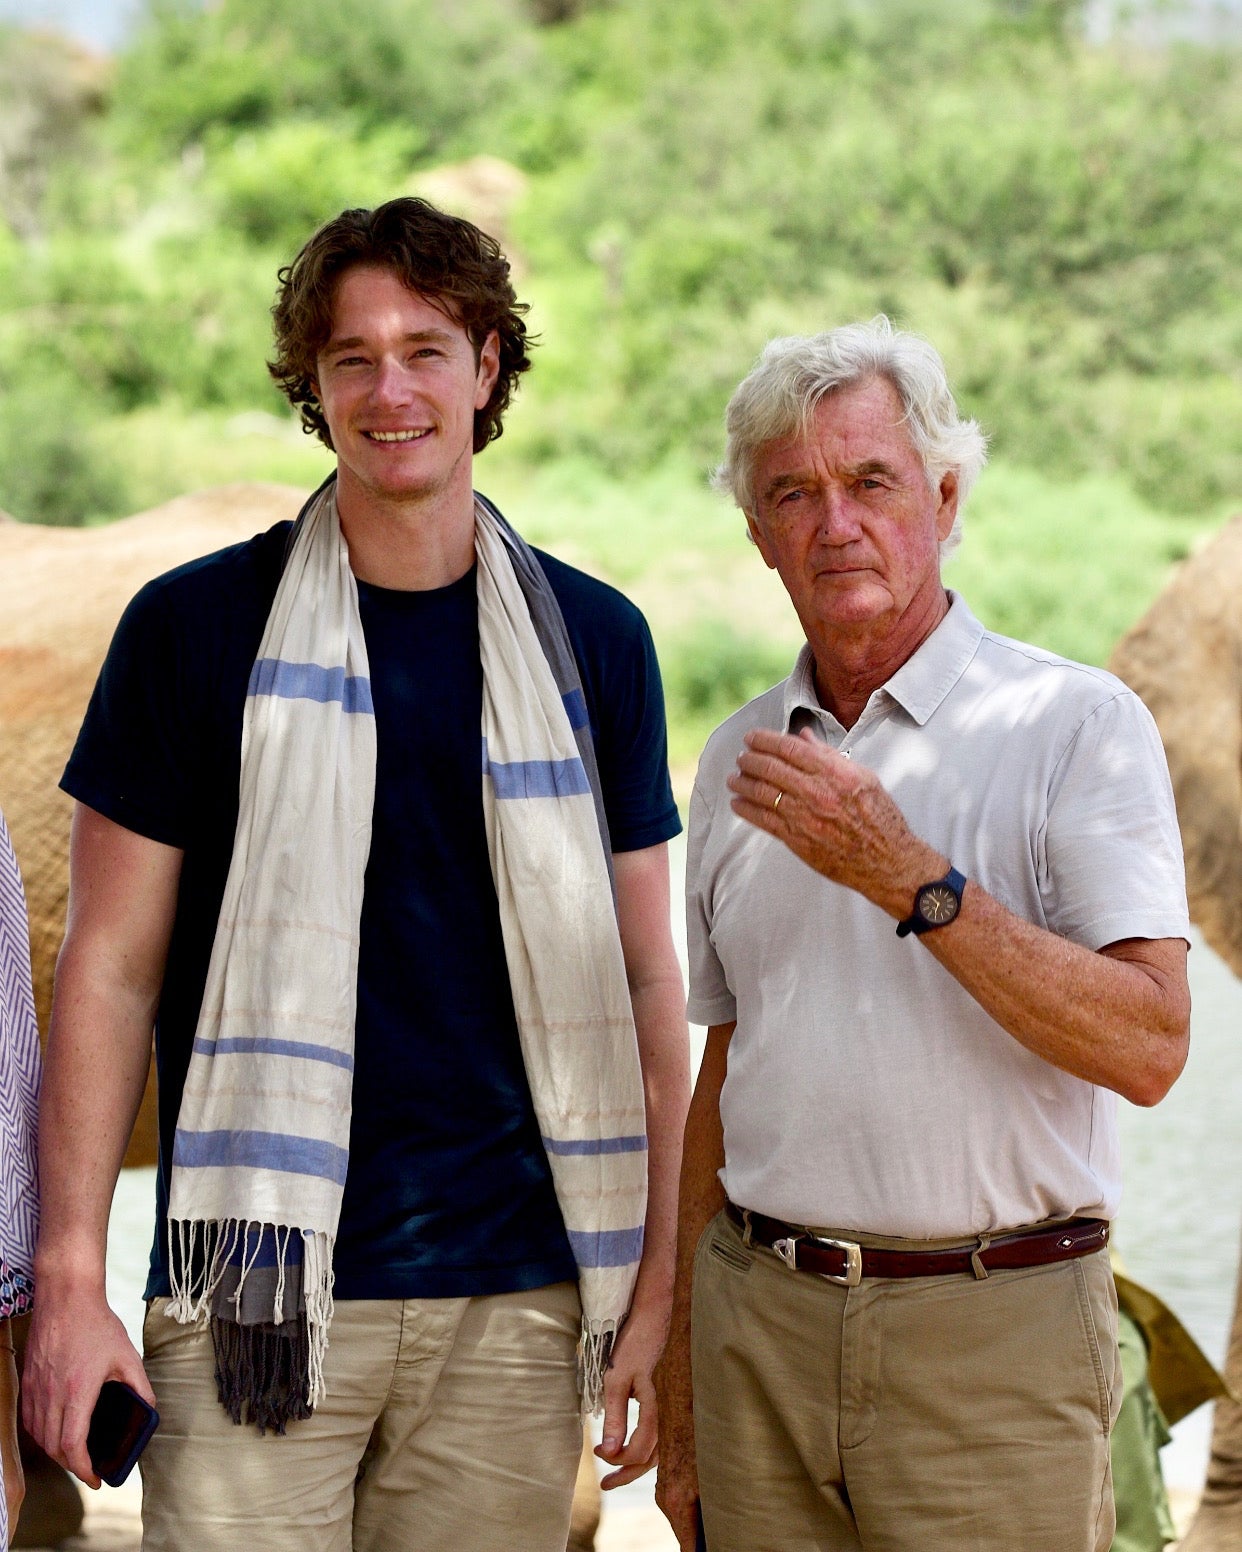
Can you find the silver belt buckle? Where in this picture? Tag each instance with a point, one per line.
(852, 1275)
(787, 1250)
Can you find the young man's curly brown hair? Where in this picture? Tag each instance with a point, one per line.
(448, 261)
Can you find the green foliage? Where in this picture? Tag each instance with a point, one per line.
(273, 186)
(52, 469)
(431, 66)
(709, 671)
(1069, 566)
(704, 175)
(166, 452)
(810, 162)
(1062, 218)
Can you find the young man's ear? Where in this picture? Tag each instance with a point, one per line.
(489, 369)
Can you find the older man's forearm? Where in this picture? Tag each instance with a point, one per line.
(1119, 1017)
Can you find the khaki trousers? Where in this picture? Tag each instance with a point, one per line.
(935, 1414)
(449, 1425)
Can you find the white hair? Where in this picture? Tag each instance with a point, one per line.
(794, 375)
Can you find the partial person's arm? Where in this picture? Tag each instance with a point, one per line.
(701, 1198)
(1119, 1017)
(658, 999)
(122, 901)
(10, 1455)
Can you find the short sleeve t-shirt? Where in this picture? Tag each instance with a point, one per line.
(448, 1192)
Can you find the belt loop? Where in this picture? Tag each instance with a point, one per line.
(976, 1265)
(746, 1227)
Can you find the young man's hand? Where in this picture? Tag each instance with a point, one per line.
(74, 1347)
(634, 1358)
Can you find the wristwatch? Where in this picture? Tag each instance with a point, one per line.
(935, 905)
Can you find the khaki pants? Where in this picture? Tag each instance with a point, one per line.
(449, 1425)
(936, 1414)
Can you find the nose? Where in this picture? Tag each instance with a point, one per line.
(391, 382)
(838, 516)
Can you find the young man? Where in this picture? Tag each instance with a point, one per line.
(399, 1017)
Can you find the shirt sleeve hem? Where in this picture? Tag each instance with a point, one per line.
(648, 835)
(1103, 930)
(709, 1011)
(153, 827)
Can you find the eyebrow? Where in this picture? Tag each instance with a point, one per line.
(784, 482)
(856, 471)
(334, 347)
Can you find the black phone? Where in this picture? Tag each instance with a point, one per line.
(120, 1427)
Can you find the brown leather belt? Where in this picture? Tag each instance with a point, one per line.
(843, 1261)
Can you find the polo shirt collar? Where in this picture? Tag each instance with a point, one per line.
(920, 684)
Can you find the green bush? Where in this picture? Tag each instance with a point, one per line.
(1063, 219)
(273, 186)
(712, 670)
(434, 67)
(51, 467)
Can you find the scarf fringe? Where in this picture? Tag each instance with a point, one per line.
(261, 1371)
(269, 1364)
(594, 1356)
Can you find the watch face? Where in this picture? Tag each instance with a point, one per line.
(937, 904)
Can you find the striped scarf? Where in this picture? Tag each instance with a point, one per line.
(20, 1067)
(261, 1147)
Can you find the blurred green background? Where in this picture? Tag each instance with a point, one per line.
(1057, 204)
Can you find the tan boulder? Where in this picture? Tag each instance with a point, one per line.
(62, 591)
(1184, 657)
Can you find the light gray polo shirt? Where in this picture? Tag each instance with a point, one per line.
(866, 1089)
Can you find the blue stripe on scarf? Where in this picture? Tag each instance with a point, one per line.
(575, 706)
(261, 1150)
(537, 778)
(248, 1044)
(595, 1145)
(310, 682)
(609, 1247)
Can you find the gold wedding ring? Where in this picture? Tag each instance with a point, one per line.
(776, 801)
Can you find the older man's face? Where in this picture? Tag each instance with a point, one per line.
(845, 516)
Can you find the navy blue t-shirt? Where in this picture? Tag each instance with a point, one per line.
(448, 1192)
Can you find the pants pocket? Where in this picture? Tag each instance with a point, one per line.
(723, 1245)
(1097, 1310)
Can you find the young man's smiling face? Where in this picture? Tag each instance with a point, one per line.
(399, 383)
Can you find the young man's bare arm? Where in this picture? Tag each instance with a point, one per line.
(658, 999)
(122, 900)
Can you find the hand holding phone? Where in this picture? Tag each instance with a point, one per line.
(121, 1424)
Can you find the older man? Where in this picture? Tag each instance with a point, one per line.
(937, 923)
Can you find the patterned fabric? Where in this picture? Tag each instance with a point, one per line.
(261, 1147)
(20, 1070)
(548, 843)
